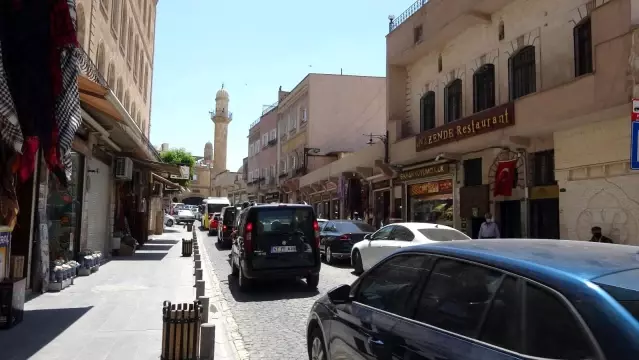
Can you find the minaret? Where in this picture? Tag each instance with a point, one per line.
(208, 153)
(221, 118)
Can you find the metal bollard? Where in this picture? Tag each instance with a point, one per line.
(198, 264)
(205, 308)
(198, 274)
(199, 288)
(196, 257)
(207, 343)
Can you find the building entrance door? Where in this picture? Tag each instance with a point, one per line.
(544, 218)
(510, 219)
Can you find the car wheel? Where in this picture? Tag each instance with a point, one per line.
(169, 223)
(312, 281)
(329, 255)
(243, 282)
(357, 262)
(316, 348)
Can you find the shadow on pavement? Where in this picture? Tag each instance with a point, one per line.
(141, 256)
(171, 229)
(221, 247)
(38, 328)
(271, 290)
(162, 242)
(156, 247)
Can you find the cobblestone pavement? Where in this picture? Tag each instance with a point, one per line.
(271, 319)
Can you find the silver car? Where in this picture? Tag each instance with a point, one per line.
(184, 216)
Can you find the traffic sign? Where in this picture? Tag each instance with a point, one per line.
(634, 114)
(634, 145)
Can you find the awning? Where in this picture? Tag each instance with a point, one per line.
(159, 167)
(163, 180)
(94, 94)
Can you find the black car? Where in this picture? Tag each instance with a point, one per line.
(338, 236)
(276, 241)
(226, 225)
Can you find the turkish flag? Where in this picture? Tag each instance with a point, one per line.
(504, 178)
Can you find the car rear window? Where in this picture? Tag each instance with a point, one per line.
(354, 227)
(443, 234)
(623, 287)
(278, 221)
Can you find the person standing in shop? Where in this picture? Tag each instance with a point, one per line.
(597, 236)
(489, 229)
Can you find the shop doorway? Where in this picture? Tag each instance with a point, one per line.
(382, 207)
(544, 219)
(475, 225)
(510, 218)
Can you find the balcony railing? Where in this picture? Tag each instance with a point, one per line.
(267, 108)
(213, 114)
(396, 21)
(89, 69)
(257, 121)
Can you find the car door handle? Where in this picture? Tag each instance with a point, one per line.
(376, 342)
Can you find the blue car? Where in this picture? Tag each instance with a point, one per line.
(500, 299)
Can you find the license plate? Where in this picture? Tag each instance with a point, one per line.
(283, 249)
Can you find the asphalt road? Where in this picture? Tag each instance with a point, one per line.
(272, 316)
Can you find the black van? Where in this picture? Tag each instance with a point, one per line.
(227, 225)
(276, 241)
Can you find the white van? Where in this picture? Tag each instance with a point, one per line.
(213, 205)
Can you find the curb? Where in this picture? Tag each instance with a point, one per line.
(219, 307)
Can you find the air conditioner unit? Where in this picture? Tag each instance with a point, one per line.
(123, 168)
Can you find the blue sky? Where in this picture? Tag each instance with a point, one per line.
(253, 47)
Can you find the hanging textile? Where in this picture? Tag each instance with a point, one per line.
(40, 61)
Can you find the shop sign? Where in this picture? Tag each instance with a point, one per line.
(483, 122)
(381, 185)
(272, 197)
(544, 192)
(432, 188)
(422, 172)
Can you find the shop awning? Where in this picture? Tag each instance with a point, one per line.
(94, 95)
(159, 167)
(163, 180)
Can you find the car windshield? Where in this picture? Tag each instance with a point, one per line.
(215, 208)
(624, 287)
(354, 227)
(279, 221)
(185, 212)
(435, 234)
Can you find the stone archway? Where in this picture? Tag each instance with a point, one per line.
(193, 200)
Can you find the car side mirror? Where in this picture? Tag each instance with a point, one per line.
(367, 237)
(340, 294)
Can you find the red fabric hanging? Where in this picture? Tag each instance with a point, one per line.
(504, 178)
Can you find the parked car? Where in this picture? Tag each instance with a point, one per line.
(226, 225)
(389, 238)
(276, 241)
(338, 236)
(321, 223)
(184, 216)
(501, 299)
(213, 224)
(168, 220)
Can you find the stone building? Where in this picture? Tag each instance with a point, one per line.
(478, 90)
(119, 36)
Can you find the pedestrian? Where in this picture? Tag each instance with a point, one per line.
(489, 229)
(598, 237)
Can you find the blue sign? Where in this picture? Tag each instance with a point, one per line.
(634, 145)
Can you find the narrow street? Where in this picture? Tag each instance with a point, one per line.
(272, 317)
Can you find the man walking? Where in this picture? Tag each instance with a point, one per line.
(488, 229)
(598, 237)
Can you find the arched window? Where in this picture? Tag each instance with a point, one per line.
(81, 24)
(453, 100)
(582, 35)
(115, 16)
(522, 72)
(133, 110)
(119, 89)
(127, 100)
(100, 60)
(105, 5)
(427, 111)
(140, 67)
(484, 88)
(123, 29)
(129, 42)
(144, 12)
(501, 33)
(111, 75)
(146, 82)
(136, 52)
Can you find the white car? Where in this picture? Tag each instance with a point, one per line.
(168, 220)
(389, 238)
(321, 223)
(185, 216)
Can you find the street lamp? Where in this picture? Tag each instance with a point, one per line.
(383, 138)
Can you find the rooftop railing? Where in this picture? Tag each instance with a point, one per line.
(213, 114)
(394, 22)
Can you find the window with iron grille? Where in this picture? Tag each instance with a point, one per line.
(484, 88)
(473, 172)
(453, 100)
(427, 111)
(543, 168)
(582, 34)
(523, 72)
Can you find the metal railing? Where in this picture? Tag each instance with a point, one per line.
(257, 121)
(213, 114)
(89, 69)
(267, 108)
(396, 21)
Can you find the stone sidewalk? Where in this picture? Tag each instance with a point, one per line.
(116, 313)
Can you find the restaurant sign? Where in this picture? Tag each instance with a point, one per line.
(431, 188)
(483, 122)
(424, 171)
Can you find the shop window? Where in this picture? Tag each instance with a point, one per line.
(453, 99)
(582, 36)
(473, 172)
(484, 88)
(543, 168)
(523, 72)
(427, 111)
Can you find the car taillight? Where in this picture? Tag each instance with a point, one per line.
(224, 228)
(248, 238)
(345, 237)
(316, 229)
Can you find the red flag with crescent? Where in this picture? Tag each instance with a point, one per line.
(505, 177)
